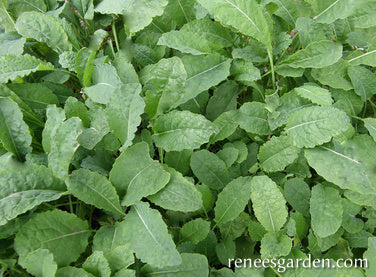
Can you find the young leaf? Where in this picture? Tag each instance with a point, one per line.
(274, 245)
(179, 130)
(253, 118)
(179, 160)
(298, 194)
(244, 15)
(326, 210)
(209, 169)
(370, 124)
(97, 264)
(277, 153)
(137, 175)
(137, 14)
(194, 231)
(55, 117)
(230, 202)
(268, 203)
(55, 231)
(192, 265)
(43, 28)
(313, 126)
(14, 133)
(40, 263)
(178, 195)
(13, 67)
(315, 55)
(94, 189)
(316, 95)
(147, 234)
(124, 112)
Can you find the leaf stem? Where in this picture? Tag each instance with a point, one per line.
(115, 36)
(270, 56)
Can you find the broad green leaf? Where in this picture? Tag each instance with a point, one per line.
(329, 241)
(97, 264)
(209, 169)
(85, 8)
(194, 231)
(225, 250)
(137, 14)
(348, 101)
(277, 153)
(363, 17)
(313, 126)
(330, 11)
(348, 165)
(164, 84)
(326, 210)
(63, 146)
(179, 160)
(13, 67)
(334, 75)
(230, 202)
(245, 16)
(310, 31)
(370, 124)
(40, 263)
(178, 195)
(55, 117)
(316, 95)
(370, 256)
(27, 186)
(244, 71)
(350, 222)
(203, 72)
(11, 43)
(75, 108)
(14, 133)
(180, 12)
(6, 20)
(70, 271)
(84, 65)
(224, 99)
(94, 189)
(298, 194)
(112, 241)
(291, 11)
(43, 28)
(315, 55)
(364, 81)
(368, 58)
(17, 7)
(253, 118)
(124, 112)
(226, 123)
(361, 199)
(136, 175)
(55, 231)
(179, 130)
(268, 203)
(274, 245)
(229, 155)
(147, 234)
(125, 272)
(192, 265)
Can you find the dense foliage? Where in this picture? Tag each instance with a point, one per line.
(157, 137)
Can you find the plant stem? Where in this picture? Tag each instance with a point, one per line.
(270, 56)
(115, 36)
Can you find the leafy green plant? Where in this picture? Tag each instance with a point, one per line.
(165, 137)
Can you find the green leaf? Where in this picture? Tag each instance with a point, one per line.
(315, 55)
(5, 19)
(178, 195)
(147, 234)
(179, 130)
(11, 43)
(55, 231)
(75, 108)
(137, 14)
(63, 146)
(164, 84)
(192, 265)
(124, 112)
(194, 231)
(326, 210)
(55, 117)
(370, 124)
(85, 8)
(230, 202)
(274, 245)
(253, 118)
(313, 126)
(14, 133)
(97, 264)
(209, 169)
(277, 153)
(348, 165)
(364, 81)
(43, 28)
(245, 16)
(137, 175)
(268, 203)
(310, 31)
(350, 222)
(224, 99)
(94, 189)
(368, 58)
(370, 256)
(298, 194)
(70, 271)
(225, 251)
(13, 67)
(316, 95)
(179, 160)
(203, 72)
(40, 263)
(226, 123)
(334, 75)
(244, 71)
